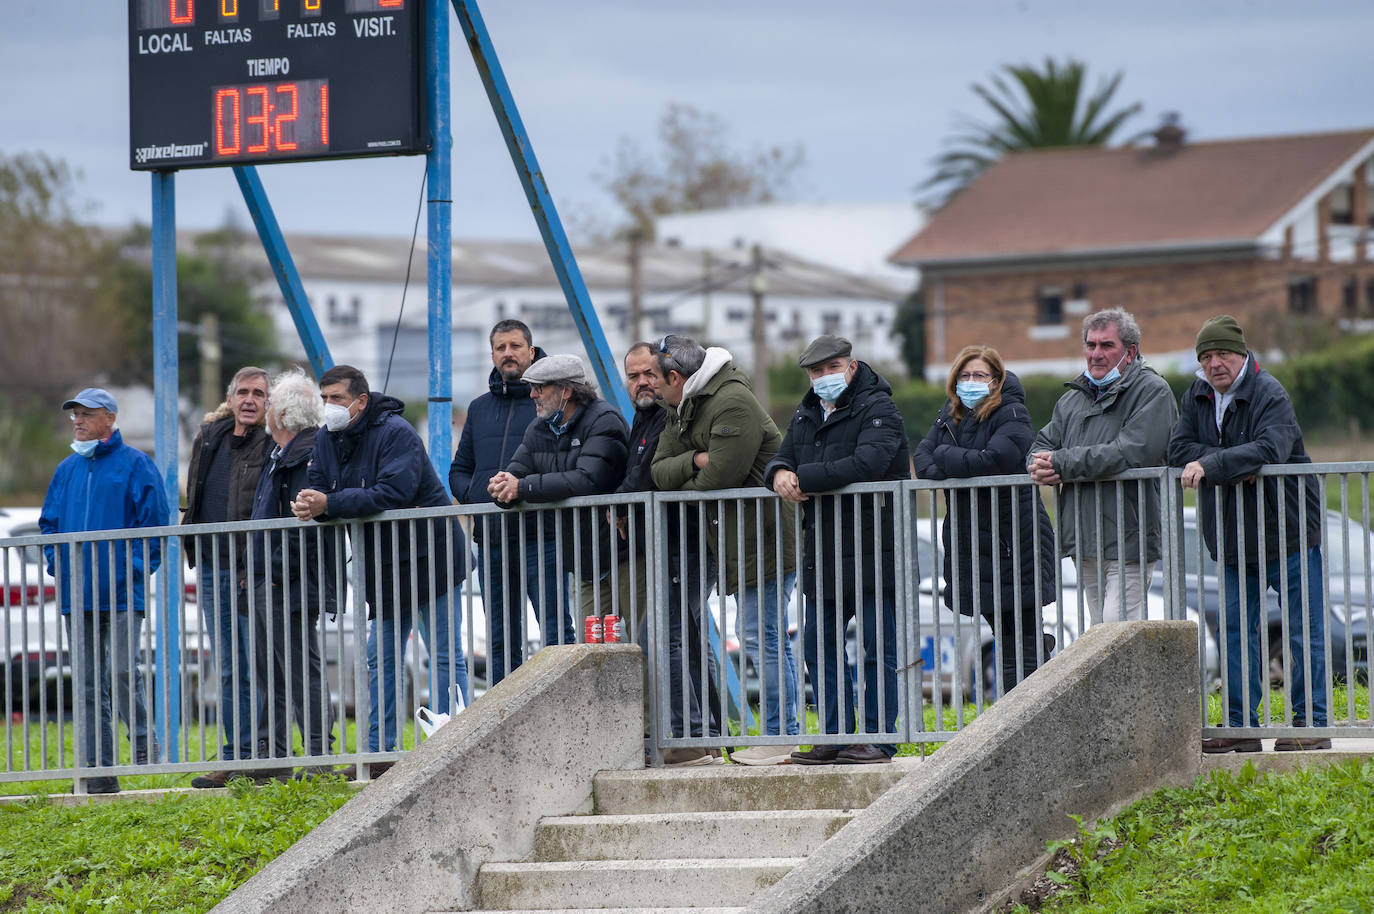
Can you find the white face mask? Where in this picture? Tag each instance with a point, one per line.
(85, 448)
(336, 417)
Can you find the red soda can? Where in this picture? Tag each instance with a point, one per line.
(591, 630)
(613, 629)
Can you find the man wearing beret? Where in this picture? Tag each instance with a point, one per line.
(847, 430)
(1115, 417)
(1236, 419)
(577, 445)
(104, 485)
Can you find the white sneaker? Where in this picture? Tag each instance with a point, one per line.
(763, 755)
(687, 758)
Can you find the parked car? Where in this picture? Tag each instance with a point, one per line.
(1346, 544)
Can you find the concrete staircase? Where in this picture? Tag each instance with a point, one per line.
(700, 839)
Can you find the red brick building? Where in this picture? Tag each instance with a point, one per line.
(1174, 232)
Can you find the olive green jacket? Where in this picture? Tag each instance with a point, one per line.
(719, 415)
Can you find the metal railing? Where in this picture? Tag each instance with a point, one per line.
(758, 628)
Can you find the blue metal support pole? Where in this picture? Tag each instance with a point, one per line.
(439, 180)
(541, 205)
(167, 697)
(274, 245)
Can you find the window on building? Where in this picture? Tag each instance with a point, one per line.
(1049, 305)
(737, 315)
(830, 322)
(341, 315)
(1302, 294)
(1342, 203)
(1350, 297)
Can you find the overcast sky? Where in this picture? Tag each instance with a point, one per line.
(868, 89)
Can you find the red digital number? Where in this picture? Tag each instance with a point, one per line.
(261, 120)
(324, 115)
(186, 18)
(229, 9)
(391, 4)
(232, 121)
(281, 120)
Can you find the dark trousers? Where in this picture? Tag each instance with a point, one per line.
(290, 673)
(694, 703)
(1014, 633)
(832, 674)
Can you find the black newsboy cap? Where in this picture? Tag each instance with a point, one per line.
(823, 349)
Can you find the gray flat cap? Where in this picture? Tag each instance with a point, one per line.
(554, 368)
(823, 349)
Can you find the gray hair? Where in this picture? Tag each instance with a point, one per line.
(582, 392)
(1121, 319)
(681, 354)
(296, 401)
(248, 371)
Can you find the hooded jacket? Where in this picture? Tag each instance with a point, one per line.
(378, 463)
(719, 415)
(1007, 541)
(248, 453)
(116, 488)
(1258, 428)
(863, 440)
(1093, 437)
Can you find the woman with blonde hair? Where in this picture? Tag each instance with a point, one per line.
(995, 548)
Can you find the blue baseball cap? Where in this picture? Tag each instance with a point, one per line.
(95, 398)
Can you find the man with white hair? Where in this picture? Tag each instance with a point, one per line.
(104, 485)
(294, 575)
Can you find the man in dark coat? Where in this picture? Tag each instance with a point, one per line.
(1237, 418)
(226, 460)
(368, 459)
(847, 430)
(576, 445)
(694, 705)
(493, 429)
(294, 574)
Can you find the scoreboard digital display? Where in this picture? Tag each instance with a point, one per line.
(240, 82)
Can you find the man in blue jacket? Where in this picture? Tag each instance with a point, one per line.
(495, 424)
(105, 485)
(368, 459)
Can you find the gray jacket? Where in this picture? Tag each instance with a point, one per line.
(1095, 437)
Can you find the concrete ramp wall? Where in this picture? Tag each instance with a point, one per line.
(413, 840)
(1114, 717)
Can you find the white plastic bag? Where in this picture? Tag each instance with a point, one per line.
(430, 721)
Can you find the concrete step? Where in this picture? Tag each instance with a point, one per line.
(711, 788)
(661, 836)
(607, 911)
(627, 883)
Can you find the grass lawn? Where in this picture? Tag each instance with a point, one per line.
(183, 853)
(1258, 844)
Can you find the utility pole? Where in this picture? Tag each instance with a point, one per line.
(758, 285)
(636, 283)
(210, 358)
(705, 295)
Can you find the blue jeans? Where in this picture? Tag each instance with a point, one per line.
(827, 662)
(747, 629)
(386, 640)
(228, 630)
(1256, 616)
(501, 590)
(109, 652)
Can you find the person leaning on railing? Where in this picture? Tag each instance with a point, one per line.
(1115, 417)
(1236, 418)
(846, 430)
(1001, 566)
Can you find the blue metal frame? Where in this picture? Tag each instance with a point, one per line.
(439, 180)
(541, 205)
(284, 268)
(167, 697)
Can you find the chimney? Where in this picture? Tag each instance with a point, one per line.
(1169, 135)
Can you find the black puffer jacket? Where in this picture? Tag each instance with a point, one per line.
(302, 563)
(863, 440)
(587, 459)
(993, 446)
(1259, 428)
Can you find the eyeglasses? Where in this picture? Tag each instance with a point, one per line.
(663, 346)
(979, 376)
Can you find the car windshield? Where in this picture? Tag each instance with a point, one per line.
(1346, 547)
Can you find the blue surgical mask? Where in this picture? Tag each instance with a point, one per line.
(85, 448)
(829, 387)
(1109, 377)
(971, 393)
(556, 424)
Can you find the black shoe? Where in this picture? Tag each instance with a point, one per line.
(1301, 743)
(268, 775)
(217, 779)
(816, 755)
(866, 754)
(1221, 744)
(102, 785)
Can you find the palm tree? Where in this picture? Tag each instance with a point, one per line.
(1047, 111)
